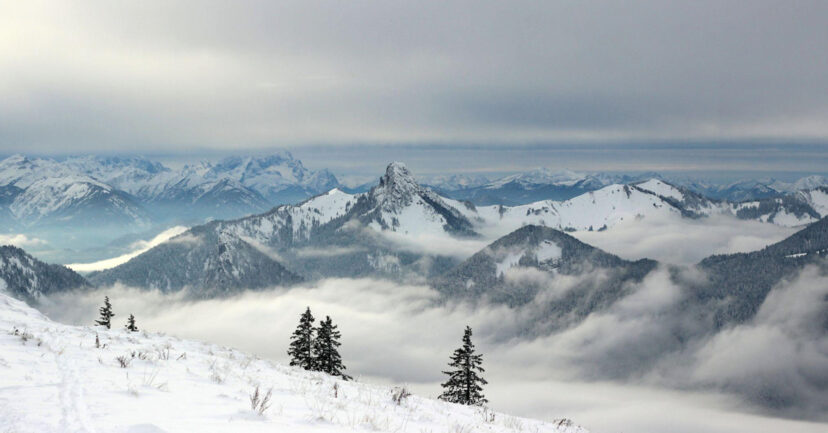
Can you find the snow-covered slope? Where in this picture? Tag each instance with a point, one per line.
(596, 210)
(55, 379)
(796, 209)
(27, 278)
(76, 200)
(288, 224)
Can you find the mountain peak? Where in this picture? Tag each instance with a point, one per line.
(396, 169)
(398, 179)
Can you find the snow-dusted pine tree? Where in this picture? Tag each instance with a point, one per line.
(130, 326)
(106, 314)
(301, 345)
(464, 384)
(325, 348)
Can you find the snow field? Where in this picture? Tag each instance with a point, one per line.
(53, 378)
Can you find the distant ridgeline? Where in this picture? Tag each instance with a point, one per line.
(134, 193)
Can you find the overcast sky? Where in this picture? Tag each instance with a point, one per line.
(233, 76)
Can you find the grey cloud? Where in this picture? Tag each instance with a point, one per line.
(214, 75)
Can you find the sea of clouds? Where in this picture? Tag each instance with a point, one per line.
(644, 364)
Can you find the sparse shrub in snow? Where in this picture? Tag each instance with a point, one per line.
(512, 423)
(258, 402)
(124, 361)
(563, 422)
(216, 375)
(24, 336)
(462, 428)
(486, 414)
(163, 353)
(399, 395)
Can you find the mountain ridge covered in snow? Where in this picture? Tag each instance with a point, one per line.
(136, 191)
(394, 231)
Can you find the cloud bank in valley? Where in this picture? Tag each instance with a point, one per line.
(21, 240)
(609, 371)
(137, 248)
(683, 240)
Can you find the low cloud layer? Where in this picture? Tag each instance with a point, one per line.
(683, 240)
(21, 240)
(621, 369)
(137, 248)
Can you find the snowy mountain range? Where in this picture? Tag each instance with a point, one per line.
(546, 184)
(44, 192)
(134, 193)
(137, 192)
(402, 230)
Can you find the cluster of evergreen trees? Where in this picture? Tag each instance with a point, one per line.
(107, 314)
(317, 349)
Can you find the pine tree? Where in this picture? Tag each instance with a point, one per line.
(325, 349)
(301, 345)
(130, 326)
(106, 314)
(464, 384)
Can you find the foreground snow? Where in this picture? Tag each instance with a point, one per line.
(54, 379)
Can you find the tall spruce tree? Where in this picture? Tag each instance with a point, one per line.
(464, 383)
(302, 341)
(106, 314)
(325, 349)
(130, 326)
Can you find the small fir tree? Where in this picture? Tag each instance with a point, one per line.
(106, 314)
(464, 383)
(325, 349)
(130, 326)
(301, 345)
